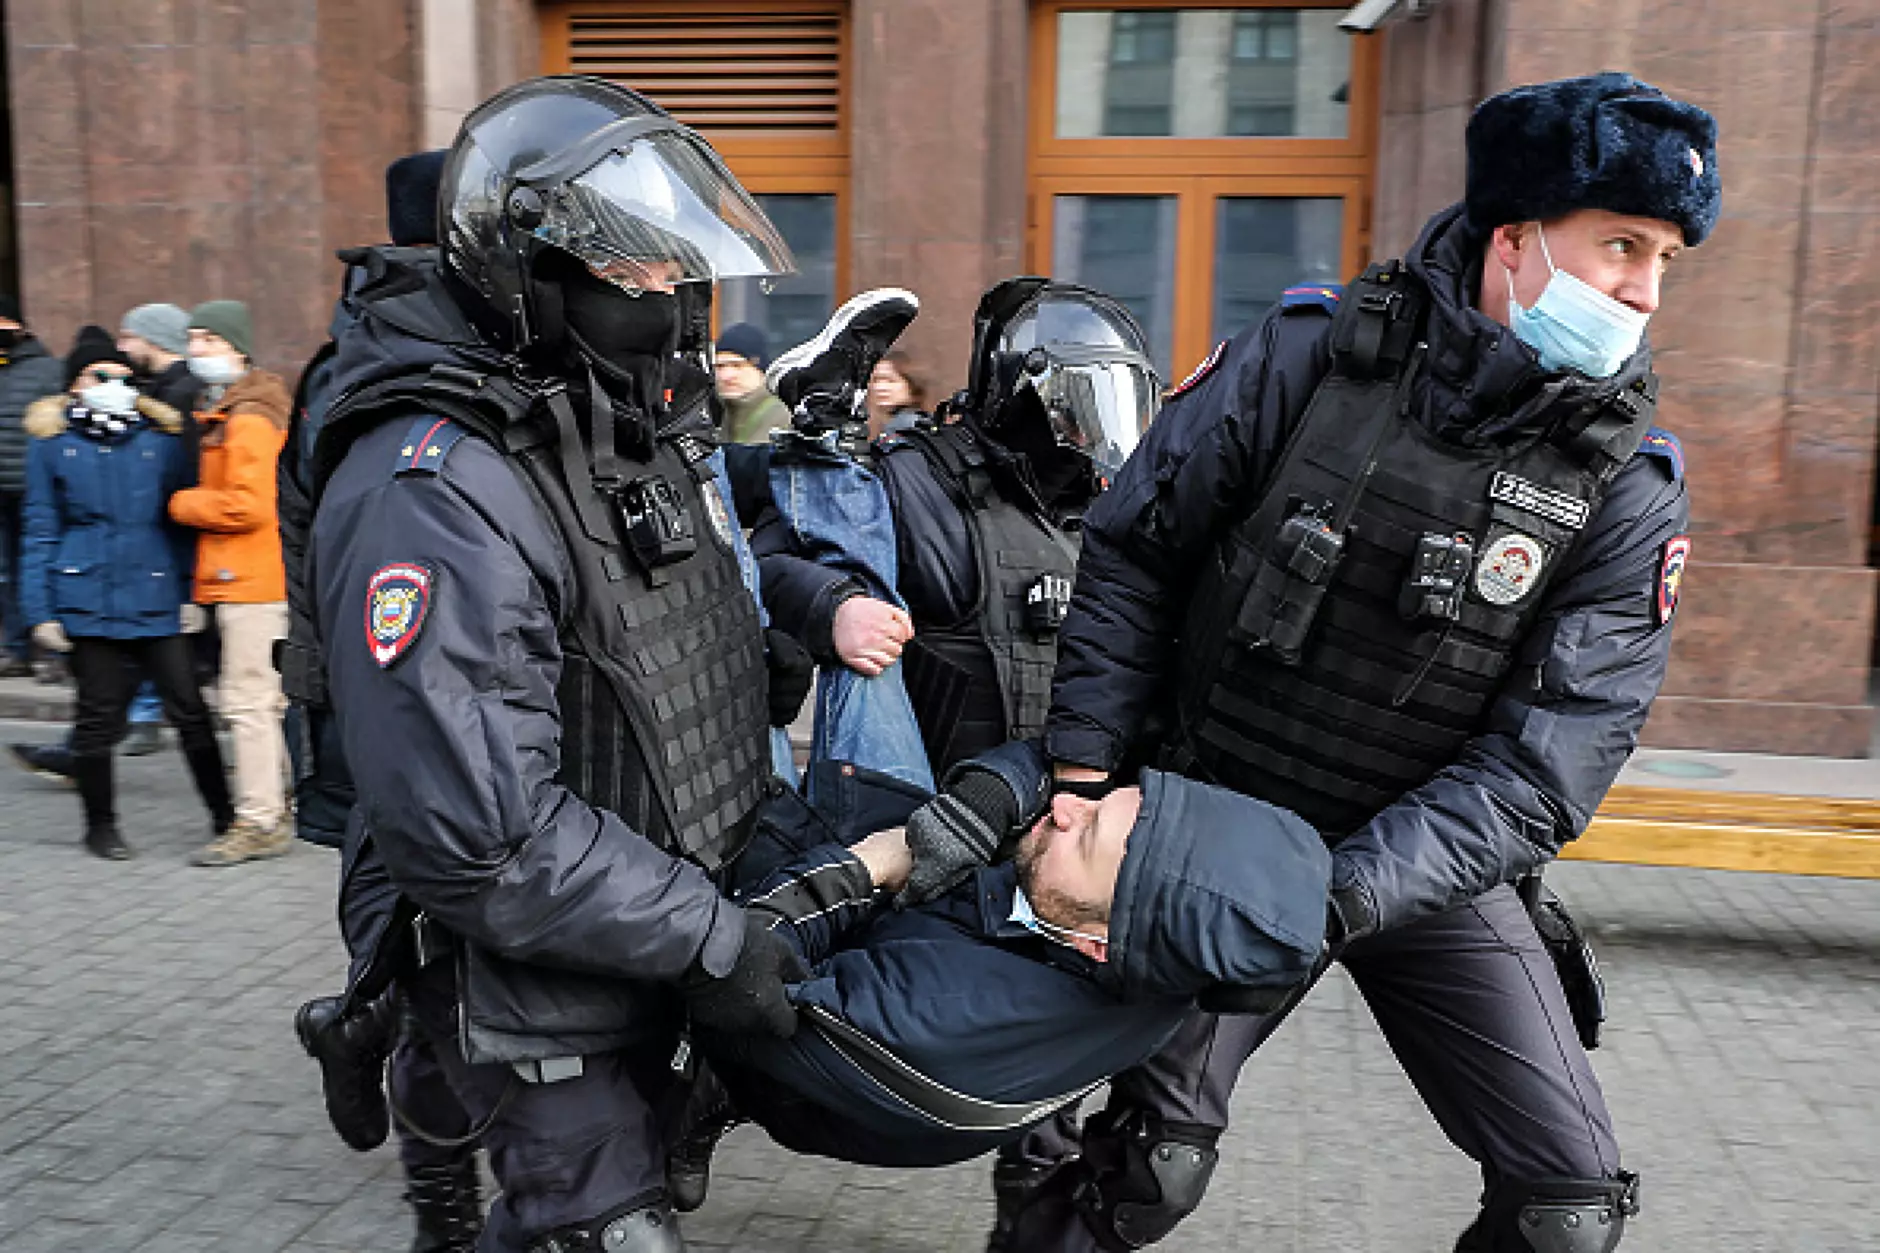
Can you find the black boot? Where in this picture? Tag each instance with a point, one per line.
(709, 1116)
(352, 1051)
(448, 1202)
(205, 767)
(93, 775)
(1014, 1186)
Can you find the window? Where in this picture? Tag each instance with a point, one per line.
(1266, 36)
(1196, 159)
(764, 81)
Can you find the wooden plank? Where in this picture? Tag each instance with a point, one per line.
(1826, 813)
(1848, 854)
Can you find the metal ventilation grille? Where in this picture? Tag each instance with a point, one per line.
(756, 72)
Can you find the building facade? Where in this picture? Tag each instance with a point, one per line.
(1191, 157)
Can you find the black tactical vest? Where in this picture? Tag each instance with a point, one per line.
(662, 697)
(986, 679)
(1350, 636)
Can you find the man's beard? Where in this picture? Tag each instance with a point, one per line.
(1055, 906)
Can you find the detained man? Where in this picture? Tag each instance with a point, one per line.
(933, 1033)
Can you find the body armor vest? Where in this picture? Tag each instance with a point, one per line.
(1350, 636)
(663, 689)
(986, 679)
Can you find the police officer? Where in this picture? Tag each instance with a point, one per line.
(1410, 570)
(547, 674)
(985, 512)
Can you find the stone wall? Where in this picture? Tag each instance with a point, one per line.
(182, 150)
(1768, 340)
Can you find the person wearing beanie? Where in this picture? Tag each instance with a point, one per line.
(1422, 548)
(27, 373)
(751, 412)
(103, 574)
(156, 339)
(242, 420)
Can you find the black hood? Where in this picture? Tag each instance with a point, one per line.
(1215, 888)
(1483, 385)
(399, 317)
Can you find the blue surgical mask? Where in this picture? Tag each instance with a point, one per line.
(1026, 917)
(1575, 326)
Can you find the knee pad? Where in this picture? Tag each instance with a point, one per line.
(1555, 1215)
(633, 1228)
(1143, 1175)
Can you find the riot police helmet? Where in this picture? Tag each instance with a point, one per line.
(580, 166)
(1073, 353)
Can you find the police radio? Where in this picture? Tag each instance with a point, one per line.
(1047, 600)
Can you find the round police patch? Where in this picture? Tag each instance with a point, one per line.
(1671, 563)
(1509, 569)
(397, 599)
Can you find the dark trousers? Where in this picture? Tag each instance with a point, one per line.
(14, 629)
(1469, 1002)
(107, 672)
(421, 1092)
(563, 1153)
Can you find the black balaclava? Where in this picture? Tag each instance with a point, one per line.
(1065, 477)
(626, 339)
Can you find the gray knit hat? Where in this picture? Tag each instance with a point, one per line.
(227, 318)
(164, 326)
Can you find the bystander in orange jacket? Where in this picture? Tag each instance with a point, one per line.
(238, 557)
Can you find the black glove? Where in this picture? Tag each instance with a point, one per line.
(750, 998)
(956, 831)
(792, 672)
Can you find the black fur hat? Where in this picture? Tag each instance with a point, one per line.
(411, 197)
(1606, 141)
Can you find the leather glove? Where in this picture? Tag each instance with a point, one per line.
(956, 832)
(792, 673)
(750, 998)
(51, 636)
(195, 620)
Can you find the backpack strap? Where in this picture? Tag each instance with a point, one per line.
(1375, 329)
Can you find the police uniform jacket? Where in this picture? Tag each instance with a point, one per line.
(455, 742)
(1569, 714)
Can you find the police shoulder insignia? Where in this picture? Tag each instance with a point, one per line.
(1509, 569)
(397, 599)
(1199, 373)
(715, 510)
(1321, 296)
(1665, 447)
(426, 445)
(1671, 563)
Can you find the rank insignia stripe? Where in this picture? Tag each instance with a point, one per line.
(398, 599)
(426, 445)
(1671, 566)
(1199, 373)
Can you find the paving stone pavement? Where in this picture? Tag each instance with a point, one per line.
(152, 1096)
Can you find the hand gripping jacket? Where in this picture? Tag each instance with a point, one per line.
(1353, 631)
(662, 696)
(1010, 639)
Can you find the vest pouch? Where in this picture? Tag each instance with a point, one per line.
(1278, 611)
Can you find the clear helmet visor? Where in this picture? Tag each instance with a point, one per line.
(660, 211)
(1098, 402)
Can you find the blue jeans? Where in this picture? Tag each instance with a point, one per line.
(782, 759)
(839, 516)
(146, 709)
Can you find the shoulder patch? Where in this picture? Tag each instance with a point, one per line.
(426, 445)
(398, 598)
(1199, 373)
(1323, 297)
(1664, 445)
(1671, 563)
